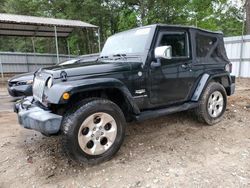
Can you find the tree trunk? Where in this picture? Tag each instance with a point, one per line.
(248, 16)
(142, 11)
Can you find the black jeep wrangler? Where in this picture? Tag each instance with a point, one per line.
(142, 73)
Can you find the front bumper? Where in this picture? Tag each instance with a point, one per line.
(31, 116)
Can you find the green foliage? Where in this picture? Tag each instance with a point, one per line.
(114, 16)
(127, 20)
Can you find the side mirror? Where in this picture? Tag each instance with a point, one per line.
(164, 52)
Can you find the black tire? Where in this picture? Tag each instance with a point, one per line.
(202, 111)
(73, 120)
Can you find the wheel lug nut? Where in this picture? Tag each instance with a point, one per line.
(94, 129)
(97, 138)
(100, 128)
(92, 135)
(102, 133)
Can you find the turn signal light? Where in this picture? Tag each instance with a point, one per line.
(66, 96)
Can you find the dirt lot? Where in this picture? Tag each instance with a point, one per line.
(173, 151)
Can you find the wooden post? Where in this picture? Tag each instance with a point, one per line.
(99, 40)
(57, 51)
(1, 66)
(68, 47)
(34, 51)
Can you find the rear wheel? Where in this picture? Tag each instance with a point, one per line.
(215, 104)
(94, 131)
(212, 104)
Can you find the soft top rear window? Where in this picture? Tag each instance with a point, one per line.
(204, 44)
(210, 48)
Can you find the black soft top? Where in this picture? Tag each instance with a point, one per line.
(185, 27)
(206, 51)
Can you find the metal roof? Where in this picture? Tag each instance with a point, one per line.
(19, 25)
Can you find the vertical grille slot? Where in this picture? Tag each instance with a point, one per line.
(38, 87)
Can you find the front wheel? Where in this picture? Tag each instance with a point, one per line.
(212, 104)
(94, 131)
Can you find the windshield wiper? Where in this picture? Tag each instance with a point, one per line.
(102, 57)
(123, 56)
(113, 57)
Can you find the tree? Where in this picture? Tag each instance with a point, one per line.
(113, 16)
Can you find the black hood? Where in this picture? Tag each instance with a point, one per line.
(91, 68)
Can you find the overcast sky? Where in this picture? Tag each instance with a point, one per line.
(237, 2)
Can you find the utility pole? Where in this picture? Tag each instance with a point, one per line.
(247, 8)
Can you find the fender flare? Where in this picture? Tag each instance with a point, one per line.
(54, 94)
(205, 79)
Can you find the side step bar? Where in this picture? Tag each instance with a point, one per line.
(149, 114)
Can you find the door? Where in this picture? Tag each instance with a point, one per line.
(172, 81)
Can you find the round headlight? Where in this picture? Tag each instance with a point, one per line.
(50, 82)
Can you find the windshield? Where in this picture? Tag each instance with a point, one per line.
(130, 42)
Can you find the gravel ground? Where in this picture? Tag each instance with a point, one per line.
(173, 151)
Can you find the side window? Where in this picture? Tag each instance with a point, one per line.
(204, 44)
(178, 41)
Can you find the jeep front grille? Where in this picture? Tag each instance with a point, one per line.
(38, 87)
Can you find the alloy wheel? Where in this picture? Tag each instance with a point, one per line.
(215, 104)
(97, 133)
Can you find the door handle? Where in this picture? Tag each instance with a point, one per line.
(186, 66)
